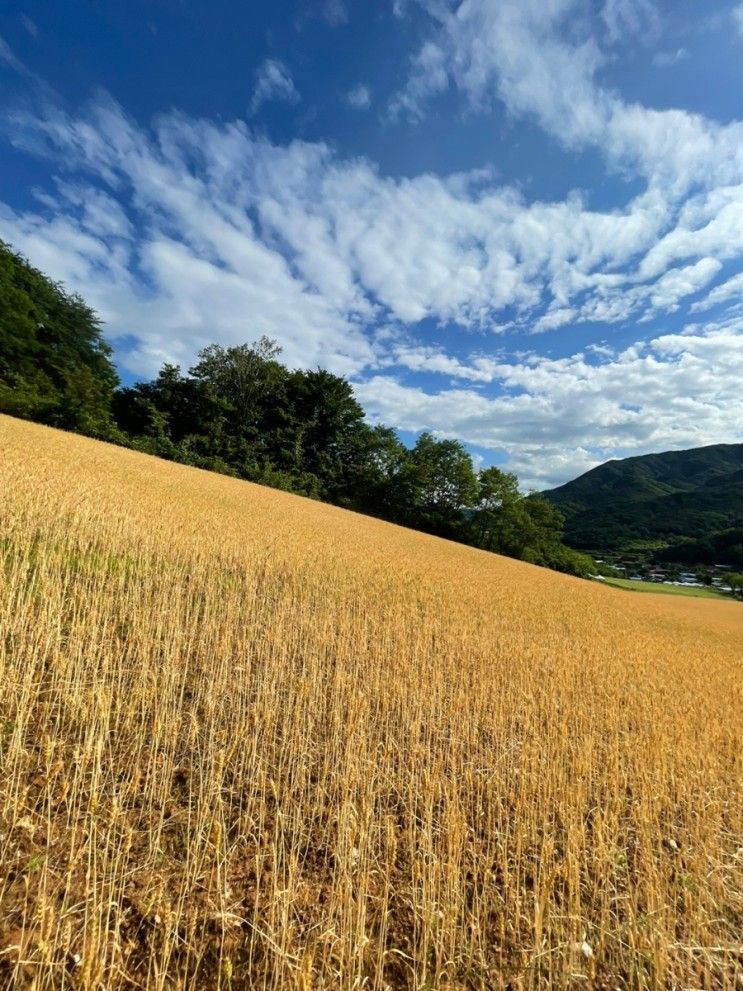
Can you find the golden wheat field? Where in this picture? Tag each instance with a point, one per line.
(251, 741)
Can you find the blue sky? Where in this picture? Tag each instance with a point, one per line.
(516, 222)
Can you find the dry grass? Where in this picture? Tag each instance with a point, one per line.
(247, 740)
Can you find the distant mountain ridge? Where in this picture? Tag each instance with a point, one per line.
(654, 497)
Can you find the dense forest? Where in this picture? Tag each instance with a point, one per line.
(687, 505)
(720, 547)
(55, 366)
(240, 411)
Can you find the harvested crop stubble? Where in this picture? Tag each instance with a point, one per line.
(249, 740)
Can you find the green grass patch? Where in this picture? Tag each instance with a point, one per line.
(661, 589)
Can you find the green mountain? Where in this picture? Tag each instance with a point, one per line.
(723, 547)
(664, 498)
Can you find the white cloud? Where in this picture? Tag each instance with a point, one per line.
(417, 357)
(334, 12)
(732, 289)
(555, 317)
(707, 224)
(359, 97)
(691, 213)
(429, 76)
(630, 17)
(521, 52)
(662, 60)
(680, 282)
(273, 82)
(29, 25)
(737, 15)
(350, 247)
(557, 417)
(8, 58)
(197, 270)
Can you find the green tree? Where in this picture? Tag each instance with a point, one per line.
(376, 457)
(437, 484)
(55, 366)
(497, 518)
(735, 580)
(174, 416)
(546, 522)
(325, 419)
(241, 376)
(245, 386)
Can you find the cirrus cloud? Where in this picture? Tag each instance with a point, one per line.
(273, 81)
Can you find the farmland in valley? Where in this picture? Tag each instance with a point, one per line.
(250, 740)
(661, 588)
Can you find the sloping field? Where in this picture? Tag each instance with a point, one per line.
(248, 740)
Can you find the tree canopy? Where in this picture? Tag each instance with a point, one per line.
(55, 366)
(734, 579)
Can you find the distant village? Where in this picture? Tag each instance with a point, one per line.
(707, 576)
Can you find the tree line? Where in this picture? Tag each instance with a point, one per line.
(241, 411)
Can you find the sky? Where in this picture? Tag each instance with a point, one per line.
(514, 222)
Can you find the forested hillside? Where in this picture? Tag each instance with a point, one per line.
(241, 412)
(721, 547)
(55, 366)
(666, 498)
